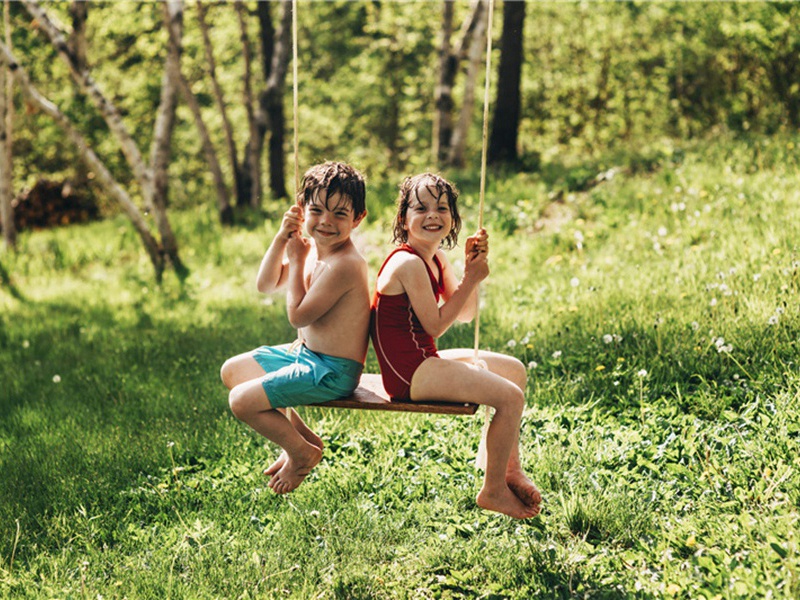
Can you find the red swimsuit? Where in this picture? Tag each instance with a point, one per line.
(400, 341)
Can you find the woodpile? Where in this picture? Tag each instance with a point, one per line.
(53, 203)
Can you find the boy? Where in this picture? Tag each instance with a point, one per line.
(327, 300)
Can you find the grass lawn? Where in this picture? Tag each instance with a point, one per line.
(658, 315)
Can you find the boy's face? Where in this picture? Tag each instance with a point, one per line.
(330, 221)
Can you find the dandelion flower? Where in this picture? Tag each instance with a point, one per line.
(642, 373)
(511, 343)
(600, 368)
(56, 378)
(532, 365)
(773, 320)
(695, 325)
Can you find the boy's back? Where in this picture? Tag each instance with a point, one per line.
(342, 330)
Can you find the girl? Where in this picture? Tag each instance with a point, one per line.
(407, 316)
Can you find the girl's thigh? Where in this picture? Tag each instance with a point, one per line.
(504, 365)
(458, 381)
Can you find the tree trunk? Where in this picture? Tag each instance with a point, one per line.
(253, 162)
(233, 155)
(458, 142)
(505, 124)
(88, 86)
(162, 135)
(79, 11)
(443, 94)
(223, 197)
(104, 177)
(270, 118)
(6, 101)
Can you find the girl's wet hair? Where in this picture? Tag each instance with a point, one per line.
(437, 186)
(334, 177)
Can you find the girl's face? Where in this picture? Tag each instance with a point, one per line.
(428, 217)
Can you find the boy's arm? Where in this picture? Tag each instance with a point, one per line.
(437, 319)
(306, 304)
(273, 272)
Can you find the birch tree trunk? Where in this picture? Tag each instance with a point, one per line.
(223, 196)
(253, 162)
(233, 158)
(6, 209)
(104, 177)
(107, 109)
(458, 142)
(505, 123)
(162, 136)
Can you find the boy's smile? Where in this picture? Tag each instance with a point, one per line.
(330, 220)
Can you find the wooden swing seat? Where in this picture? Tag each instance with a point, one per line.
(370, 395)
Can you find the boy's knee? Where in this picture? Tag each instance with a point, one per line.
(515, 399)
(236, 401)
(520, 374)
(225, 373)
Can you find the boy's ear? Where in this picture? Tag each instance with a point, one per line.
(359, 218)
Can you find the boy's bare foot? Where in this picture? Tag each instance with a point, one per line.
(309, 436)
(524, 489)
(294, 470)
(506, 502)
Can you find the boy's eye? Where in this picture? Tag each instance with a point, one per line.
(341, 214)
(314, 210)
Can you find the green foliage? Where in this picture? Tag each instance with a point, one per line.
(658, 318)
(598, 76)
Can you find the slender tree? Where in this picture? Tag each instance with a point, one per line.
(458, 141)
(6, 105)
(450, 59)
(163, 252)
(505, 121)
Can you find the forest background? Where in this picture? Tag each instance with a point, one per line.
(645, 269)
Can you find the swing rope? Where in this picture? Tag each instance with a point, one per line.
(294, 100)
(484, 152)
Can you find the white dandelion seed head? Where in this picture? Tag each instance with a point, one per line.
(56, 378)
(662, 231)
(574, 282)
(757, 276)
(511, 343)
(713, 302)
(532, 365)
(608, 338)
(557, 354)
(780, 310)
(26, 344)
(773, 320)
(695, 325)
(642, 373)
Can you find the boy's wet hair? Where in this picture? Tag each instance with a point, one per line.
(334, 177)
(437, 186)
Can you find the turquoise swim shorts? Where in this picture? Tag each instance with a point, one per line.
(299, 376)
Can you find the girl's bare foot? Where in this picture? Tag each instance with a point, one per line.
(524, 489)
(294, 470)
(505, 501)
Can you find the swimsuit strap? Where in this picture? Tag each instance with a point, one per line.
(438, 284)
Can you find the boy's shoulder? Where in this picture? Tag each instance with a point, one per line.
(348, 260)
